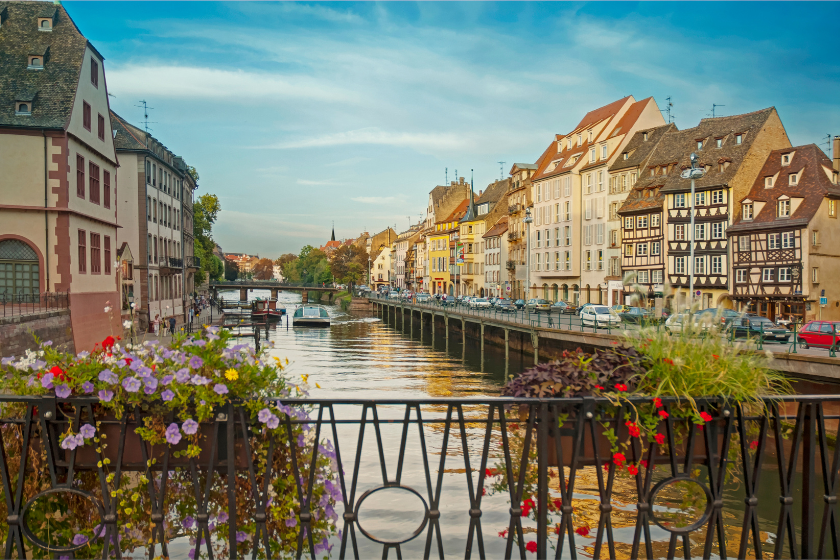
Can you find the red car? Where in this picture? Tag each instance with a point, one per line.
(819, 334)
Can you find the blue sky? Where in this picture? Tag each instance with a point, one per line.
(298, 114)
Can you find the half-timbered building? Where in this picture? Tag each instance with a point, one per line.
(732, 150)
(786, 242)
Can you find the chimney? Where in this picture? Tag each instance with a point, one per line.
(479, 192)
(461, 180)
(836, 153)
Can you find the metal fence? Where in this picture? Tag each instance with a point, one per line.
(545, 472)
(27, 304)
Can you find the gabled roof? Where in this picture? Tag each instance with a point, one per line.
(126, 135)
(812, 185)
(498, 228)
(597, 115)
(52, 89)
(494, 192)
(640, 148)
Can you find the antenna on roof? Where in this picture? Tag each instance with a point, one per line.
(501, 170)
(713, 108)
(827, 141)
(667, 109)
(146, 121)
(446, 175)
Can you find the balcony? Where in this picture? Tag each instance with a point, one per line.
(511, 265)
(193, 262)
(513, 235)
(514, 208)
(170, 264)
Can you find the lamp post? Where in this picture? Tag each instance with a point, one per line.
(693, 173)
(527, 220)
(369, 275)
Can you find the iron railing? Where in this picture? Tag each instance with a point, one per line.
(191, 261)
(543, 471)
(513, 236)
(27, 304)
(176, 262)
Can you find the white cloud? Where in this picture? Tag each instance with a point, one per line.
(347, 162)
(374, 135)
(376, 199)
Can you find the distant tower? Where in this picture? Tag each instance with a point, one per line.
(333, 233)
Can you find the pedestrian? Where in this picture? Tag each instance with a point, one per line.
(172, 326)
(192, 314)
(156, 324)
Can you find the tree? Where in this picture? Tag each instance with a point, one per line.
(205, 211)
(263, 269)
(283, 259)
(354, 274)
(231, 270)
(217, 269)
(310, 267)
(343, 259)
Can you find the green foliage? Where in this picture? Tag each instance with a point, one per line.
(231, 270)
(217, 269)
(310, 267)
(205, 211)
(348, 263)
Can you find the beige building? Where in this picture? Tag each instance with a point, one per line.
(58, 190)
(155, 207)
(519, 200)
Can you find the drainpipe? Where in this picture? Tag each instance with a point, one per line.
(836, 153)
(46, 214)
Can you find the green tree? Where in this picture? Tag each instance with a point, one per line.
(217, 269)
(205, 211)
(231, 270)
(347, 258)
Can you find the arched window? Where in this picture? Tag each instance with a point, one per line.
(575, 294)
(565, 292)
(586, 290)
(554, 292)
(23, 108)
(545, 291)
(19, 269)
(45, 24)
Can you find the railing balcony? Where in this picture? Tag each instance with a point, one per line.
(514, 208)
(192, 261)
(513, 235)
(511, 265)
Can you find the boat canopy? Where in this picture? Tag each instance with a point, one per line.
(308, 311)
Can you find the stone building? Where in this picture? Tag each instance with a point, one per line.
(495, 256)
(58, 189)
(519, 199)
(786, 243)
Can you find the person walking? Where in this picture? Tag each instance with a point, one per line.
(172, 326)
(156, 325)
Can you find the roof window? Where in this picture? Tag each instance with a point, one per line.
(768, 182)
(699, 144)
(718, 142)
(624, 155)
(45, 24)
(793, 178)
(36, 62)
(785, 159)
(644, 136)
(739, 138)
(23, 108)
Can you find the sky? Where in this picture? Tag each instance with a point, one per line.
(297, 115)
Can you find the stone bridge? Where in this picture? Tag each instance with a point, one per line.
(274, 287)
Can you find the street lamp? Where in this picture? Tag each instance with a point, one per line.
(527, 219)
(693, 173)
(369, 274)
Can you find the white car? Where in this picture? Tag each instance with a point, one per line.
(599, 316)
(678, 322)
(479, 302)
(394, 295)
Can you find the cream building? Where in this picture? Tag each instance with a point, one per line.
(58, 189)
(495, 255)
(568, 236)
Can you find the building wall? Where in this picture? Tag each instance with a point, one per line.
(825, 257)
(17, 334)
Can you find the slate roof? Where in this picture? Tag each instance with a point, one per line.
(53, 89)
(638, 149)
(498, 229)
(127, 136)
(456, 214)
(813, 185)
(495, 191)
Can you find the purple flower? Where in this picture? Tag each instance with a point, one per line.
(62, 391)
(264, 415)
(188, 520)
(182, 375)
(87, 431)
(88, 387)
(291, 522)
(69, 442)
(196, 362)
(47, 343)
(105, 395)
(7, 360)
(200, 380)
(167, 379)
(191, 554)
(190, 426)
(151, 385)
(221, 389)
(273, 422)
(222, 517)
(131, 384)
(108, 376)
(79, 539)
(241, 536)
(211, 336)
(46, 381)
(200, 343)
(173, 436)
(167, 395)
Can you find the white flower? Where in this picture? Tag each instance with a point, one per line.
(126, 324)
(769, 354)
(107, 309)
(132, 305)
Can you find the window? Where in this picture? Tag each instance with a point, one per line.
(641, 222)
(679, 201)
(568, 257)
(747, 210)
(36, 63)
(815, 275)
(700, 232)
(657, 276)
(768, 275)
(628, 250)
(786, 159)
(784, 208)
(568, 235)
(718, 142)
(148, 172)
(699, 144)
(773, 240)
(642, 276)
(603, 151)
(568, 211)
(557, 237)
(93, 171)
(700, 199)
(815, 238)
(699, 265)
(832, 208)
(45, 24)
(539, 239)
(599, 233)
(741, 275)
(641, 249)
(539, 193)
(107, 254)
(787, 240)
(717, 265)
(537, 261)
(654, 220)
(679, 232)
(557, 212)
(592, 155)
(106, 189)
(82, 252)
(784, 274)
(655, 247)
(100, 127)
(768, 182)
(628, 223)
(94, 72)
(86, 115)
(744, 243)
(587, 213)
(717, 197)
(739, 138)
(149, 208)
(557, 264)
(679, 265)
(80, 176)
(567, 187)
(717, 230)
(588, 261)
(587, 235)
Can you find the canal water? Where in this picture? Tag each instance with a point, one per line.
(360, 356)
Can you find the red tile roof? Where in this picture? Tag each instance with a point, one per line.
(499, 228)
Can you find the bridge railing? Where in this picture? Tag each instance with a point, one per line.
(267, 284)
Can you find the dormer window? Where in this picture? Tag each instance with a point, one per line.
(604, 151)
(747, 210)
(768, 182)
(786, 159)
(45, 24)
(23, 108)
(718, 142)
(590, 136)
(94, 72)
(591, 155)
(739, 138)
(36, 63)
(624, 156)
(699, 144)
(783, 206)
(793, 178)
(580, 140)
(644, 136)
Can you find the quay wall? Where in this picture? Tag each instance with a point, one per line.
(16, 333)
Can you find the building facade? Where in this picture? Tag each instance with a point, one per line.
(496, 283)
(519, 200)
(59, 190)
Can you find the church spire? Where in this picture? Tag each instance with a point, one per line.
(333, 232)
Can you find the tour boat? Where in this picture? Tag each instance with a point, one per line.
(311, 316)
(262, 309)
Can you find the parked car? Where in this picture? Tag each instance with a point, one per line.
(562, 307)
(620, 308)
(507, 306)
(520, 303)
(599, 316)
(480, 303)
(821, 334)
(536, 304)
(394, 295)
(636, 315)
(447, 301)
(723, 317)
(580, 309)
(423, 298)
(759, 327)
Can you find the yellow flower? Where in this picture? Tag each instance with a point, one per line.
(232, 374)
(305, 378)
(317, 385)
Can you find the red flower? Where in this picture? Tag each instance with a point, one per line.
(632, 469)
(599, 387)
(715, 356)
(657, 402)
(503, 534)
(633, 428)
(484, 491)
(527, 506)
(668, 361)
(753, 444)
(489, 473)
(128, 361)
(663, 414)
(621, 387)
(59, 373)
(558, 503)
(706, 416)
(619, 459)
(514, 426)
(582, 531)
(531, 546)
(108, 342)
(660, 439)
(606, 466)
(557, 529)
(644, 463)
